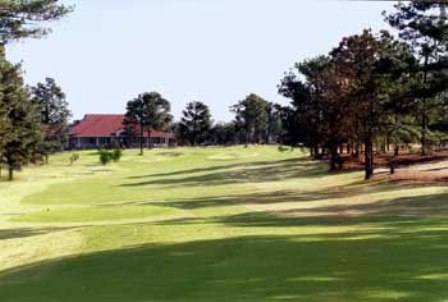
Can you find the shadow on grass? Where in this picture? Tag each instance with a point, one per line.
(398, 212)
(26, 232)
(358, 189)
(225, 167)
(427, 205)
(237, 173)
(389, 266)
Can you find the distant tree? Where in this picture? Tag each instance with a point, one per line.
(251, 113)
(24, 18)
(196, 122)
(224, 134)
(21, 121)
(274, 128)
(55, 114)
(181, 134)
(147, 112)
(298, 118)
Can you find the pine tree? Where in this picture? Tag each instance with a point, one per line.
(423, 25)
(24, 18)
(147, 112)
(50, 99)
(195, 123)
(251, 113)
(21, 121)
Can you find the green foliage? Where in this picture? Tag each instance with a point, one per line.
(23, 19)
(147, 112)
(423, 25)
(107, 156)
(347, 95)
(74, 158)
(252, 116)
(116, 155)
(55, 114)
(21, 123)
(224, 134)
(195, 124)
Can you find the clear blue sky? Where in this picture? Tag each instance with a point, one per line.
(109, 51)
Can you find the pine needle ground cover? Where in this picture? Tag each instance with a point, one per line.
(218, 224)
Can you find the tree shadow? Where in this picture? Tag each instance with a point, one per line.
(399, 212)
(321, 267)
(230, 174)
(336, 193)
(26, 232)
(222, 167)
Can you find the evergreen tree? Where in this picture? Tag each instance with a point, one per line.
(21, 121)
(375, 69)
(55, 114)
(224, 134)
(147, 112)
(195, 123)
(274, 128)
(24, 18)
(423, 25)
(251, 114)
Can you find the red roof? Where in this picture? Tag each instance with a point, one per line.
(106, 125)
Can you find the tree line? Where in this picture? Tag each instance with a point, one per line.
(371, 93)
(374, 90)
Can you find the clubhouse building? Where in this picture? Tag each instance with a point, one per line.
(107, 130)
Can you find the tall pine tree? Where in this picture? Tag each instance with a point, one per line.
(20, 119)
(55, 114)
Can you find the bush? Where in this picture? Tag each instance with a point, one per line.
(106, 156)
(116, 155)
(74, 158)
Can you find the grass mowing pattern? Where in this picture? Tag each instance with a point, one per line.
(233, 224)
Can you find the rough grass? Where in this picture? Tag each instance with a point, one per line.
(218, 224)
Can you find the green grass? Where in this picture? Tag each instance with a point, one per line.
(218, 224)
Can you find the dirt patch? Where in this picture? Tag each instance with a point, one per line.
(409, 168)
(384, 160)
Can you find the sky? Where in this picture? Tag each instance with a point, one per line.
(109, 51)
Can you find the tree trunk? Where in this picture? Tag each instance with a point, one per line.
(356, 151)
(10, 173)
(333, 158)
(316, 153)
(141, 139)
(368, 156)
(423, 139)
(149, 139)
(397, 150)
(424, 116)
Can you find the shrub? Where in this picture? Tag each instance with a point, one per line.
(116, 155)
(106, 156)
(74, 158)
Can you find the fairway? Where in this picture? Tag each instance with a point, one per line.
(218, 224)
